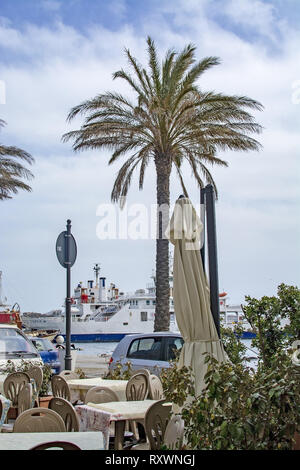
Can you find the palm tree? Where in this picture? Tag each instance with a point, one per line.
(12, 172)
(171, 121)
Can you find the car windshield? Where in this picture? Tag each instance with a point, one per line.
(42, 344)
(12, 342)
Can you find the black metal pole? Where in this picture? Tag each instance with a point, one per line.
(212, 255)
(68, 357)
(202, 209)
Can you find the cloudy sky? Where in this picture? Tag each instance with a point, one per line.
(55, 54)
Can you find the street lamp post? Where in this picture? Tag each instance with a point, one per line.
(66, 251)
(207, 200)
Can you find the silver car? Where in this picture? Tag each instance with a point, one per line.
(151, 351)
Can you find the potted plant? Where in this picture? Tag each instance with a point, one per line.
(44, 392)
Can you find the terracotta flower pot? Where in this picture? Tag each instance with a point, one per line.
(44, 401)
(12, 413)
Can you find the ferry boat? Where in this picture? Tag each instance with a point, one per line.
(103, 313)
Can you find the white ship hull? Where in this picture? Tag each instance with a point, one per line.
(86, 329)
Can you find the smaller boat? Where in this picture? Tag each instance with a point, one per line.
(11, 316)
(49, 334)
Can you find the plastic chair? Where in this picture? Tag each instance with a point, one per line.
(39, 420)
(155, 388)
(156, 420)
(67, 411)
(24, 403)
(140, 371)
(137, 390)
(100, 395)
(174, 433)
(137, 387)
(59, 445)
(25, 398)
(36, 373)
(13, 384)
(68, 375)
(60, 387)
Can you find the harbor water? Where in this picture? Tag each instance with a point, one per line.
(93, 358)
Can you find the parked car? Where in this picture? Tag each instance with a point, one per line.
(48, 351)
(151, 351)
(15, 346)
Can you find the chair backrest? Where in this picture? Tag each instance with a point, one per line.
(25, 398)
(60, 387)
(100, 395)
(140, 371)
(155, 388)
(137, 387)
(39, 420)
(67, 411)
(156, 420)
(59, 445)
(13, 384)
(36, 373)
(174, 433)
(68, 375)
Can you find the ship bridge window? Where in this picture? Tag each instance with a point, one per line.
(144, 316)
(148, 302)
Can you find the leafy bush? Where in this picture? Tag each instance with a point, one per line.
(241, 407)
(178, 383)
(80, 373)
(118, 372)
(24, 366)
(232, 343)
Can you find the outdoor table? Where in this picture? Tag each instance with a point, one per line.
(5, 407)
(99, 416)
(79, 387)
(27, 440)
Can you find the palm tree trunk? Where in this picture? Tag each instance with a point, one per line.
(162, 310)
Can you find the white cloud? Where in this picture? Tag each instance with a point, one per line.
(50, 5)
(253, 14)
(56, 68)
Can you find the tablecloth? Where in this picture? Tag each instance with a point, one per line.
(99, 416)
(79, 387)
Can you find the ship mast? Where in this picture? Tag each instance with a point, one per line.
(96, 271)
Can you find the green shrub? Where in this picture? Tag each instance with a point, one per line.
(244, 408)
(118, 372)
(24, 366)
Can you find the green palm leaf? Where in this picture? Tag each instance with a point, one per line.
(12, 172)
(171, 120)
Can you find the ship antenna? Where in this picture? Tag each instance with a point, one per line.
(97, 270)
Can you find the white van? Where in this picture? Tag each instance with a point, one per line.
(15, 346)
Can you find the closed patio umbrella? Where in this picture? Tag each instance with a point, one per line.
(191, 293)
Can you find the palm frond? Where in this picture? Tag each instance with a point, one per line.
(171, 119)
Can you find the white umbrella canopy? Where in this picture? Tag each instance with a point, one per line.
(191, 293)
